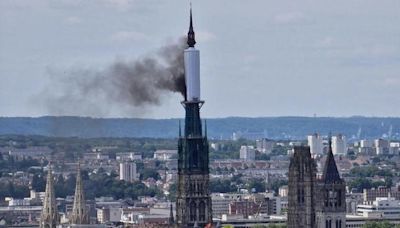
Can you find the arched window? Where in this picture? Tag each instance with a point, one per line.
(328, 223)
(192, 211)
(202, 211)
(339, 198)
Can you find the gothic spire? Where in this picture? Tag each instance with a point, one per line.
(330, 173)
(49, 216)
(191, 37)
(79, 213)
(171, 215)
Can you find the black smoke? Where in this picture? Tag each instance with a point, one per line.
(136, 84)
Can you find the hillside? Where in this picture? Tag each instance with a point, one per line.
(271, 127)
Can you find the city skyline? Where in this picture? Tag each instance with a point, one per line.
(275, 59)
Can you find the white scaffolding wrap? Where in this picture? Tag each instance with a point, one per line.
(192, 74)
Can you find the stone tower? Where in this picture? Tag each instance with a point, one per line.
(79, 212)
(302, 178)
(331, 207)
(49, 217)
(193, 203)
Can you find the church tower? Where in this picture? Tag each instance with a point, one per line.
(301, 201)
(50, 217)
(79, 212)
(331, 208)
(193, 203)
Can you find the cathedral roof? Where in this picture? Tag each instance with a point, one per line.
(330, 173)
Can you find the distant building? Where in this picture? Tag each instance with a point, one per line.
(128, 156)
(315, 144)
(127, 171)
(339, 145)
(247, 153)
(382, 207)
(265, 145)
(283, 191)
(370, 195)
(381, 146)
(165, 154)
(365, 147)
(221, 201)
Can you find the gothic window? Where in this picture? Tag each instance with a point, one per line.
(326, 198)
(300, 195)
(333, 198)
(202, 211)
(192, 211)
(328, 223)
(339, 223)
(339, 198)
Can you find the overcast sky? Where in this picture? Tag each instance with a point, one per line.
(258, 57)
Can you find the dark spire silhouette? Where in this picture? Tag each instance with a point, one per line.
(191, 37)
(171, 215)
(331, 173)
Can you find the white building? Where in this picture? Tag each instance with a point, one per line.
(165, 154)
(381, 146)
(247, 153)
(220, 202)
(315, 144)
(127, 171)
(265, 145)
(339, 145)
(382, 207)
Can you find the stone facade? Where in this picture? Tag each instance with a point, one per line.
(315, 203)
(301, 197)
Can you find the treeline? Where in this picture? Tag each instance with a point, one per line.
(97, 185)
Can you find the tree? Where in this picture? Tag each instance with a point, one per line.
(256, 185)
(379, 225)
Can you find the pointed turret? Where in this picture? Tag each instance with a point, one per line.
(191, 37)
(330, 173)
(171, 215)
(79, 212)
(50, 216)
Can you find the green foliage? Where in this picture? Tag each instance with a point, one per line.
(222, 185)
(370, 171)
(149, 173)
(256, 184)
(15, 191)
(364, 183)
(275, 185)
(379, 225)
(13, 165)
(262, 156)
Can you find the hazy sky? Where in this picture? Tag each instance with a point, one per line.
(258, 57)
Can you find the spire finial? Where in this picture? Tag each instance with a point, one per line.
(191, 37)
(330, 142)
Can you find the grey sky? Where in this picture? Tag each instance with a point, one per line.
(258, 57)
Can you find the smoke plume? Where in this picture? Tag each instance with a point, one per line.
(130, 84)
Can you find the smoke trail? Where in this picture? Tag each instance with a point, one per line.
(140, 83)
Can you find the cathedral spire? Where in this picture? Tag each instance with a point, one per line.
(49, 216)
(191, 37)
(171, 215)
(330, 173)
(79, 212)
